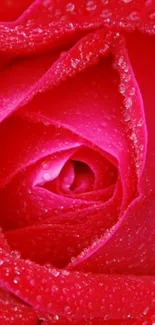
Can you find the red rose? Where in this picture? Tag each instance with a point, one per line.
(77, 181)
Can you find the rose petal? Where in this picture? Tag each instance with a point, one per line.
(98, 89)
(35, 142)
(72, 294)
(96, 321)
(105, 172)
(3, 242)
(10, 10)
(78, 230)
(130, 249)
(27, 72)
(125, 251)
(14, 311)
(51, 23)
(145, 48)
(31, 203)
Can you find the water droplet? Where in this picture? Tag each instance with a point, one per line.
(1, 262)
(127, 1)
(127, 77)
(65, 272)
(106, 13)
(128, 102)
(16, 280)
(45, 165)
(75, 62)
(47, 176)
(132, 91)
(54, 288)
(65, 291)
(15, 254)
(73, 259)
(90, 5)
(133, 137)
(23, 33)
(120, 60)
(67, 309)
(141, 148)
(56, 317)
(48, 266)
(55, 272)
(38, 30)
(70, 26)
(15, 308)
(140, 123)
(126, 69)
(134, 16)
(70, 7)
(126, 118)
(121, 88)
(146, 310)
(7, 272)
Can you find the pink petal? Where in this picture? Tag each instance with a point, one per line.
(31, 203)
(98, 89)
(35, 142)
(131, 248)
(128, 246)
(66, 178)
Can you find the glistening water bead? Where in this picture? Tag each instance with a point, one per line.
(128, 102)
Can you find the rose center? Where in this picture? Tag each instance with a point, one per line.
(75, 177)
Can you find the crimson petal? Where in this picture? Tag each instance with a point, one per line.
(72, 294)
(14, 311)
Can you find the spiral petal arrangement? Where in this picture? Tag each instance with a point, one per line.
(77, 184)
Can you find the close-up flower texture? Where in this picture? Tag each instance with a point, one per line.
(77, 162)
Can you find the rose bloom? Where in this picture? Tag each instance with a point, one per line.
(77, 162)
